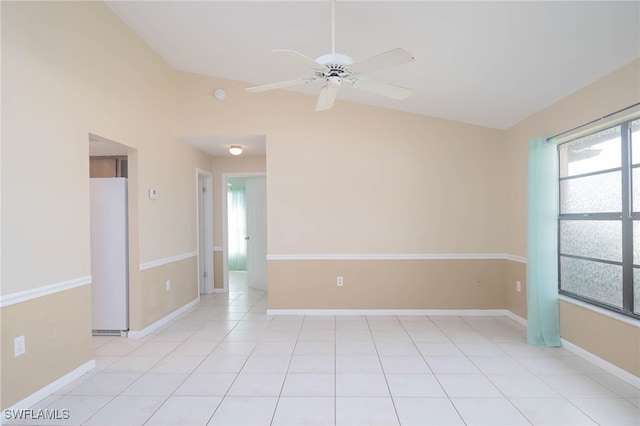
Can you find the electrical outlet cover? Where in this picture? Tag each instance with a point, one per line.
(19, 346)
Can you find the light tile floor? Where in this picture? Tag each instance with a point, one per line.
(226, 362)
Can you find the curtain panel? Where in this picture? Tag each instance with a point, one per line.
(543, 323)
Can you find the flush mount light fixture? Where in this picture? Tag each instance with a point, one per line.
(220, 94)
(235, 150)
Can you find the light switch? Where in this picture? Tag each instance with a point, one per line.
(153, 193)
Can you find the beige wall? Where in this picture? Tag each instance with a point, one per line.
(57, 330)
(615, 341)
(70, 69)
(359, 179)
(158, 302)
(609, 94)
(218, 265)
(515, 301)
(386, 284)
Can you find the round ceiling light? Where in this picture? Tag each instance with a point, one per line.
(235, 150)
(220, 94)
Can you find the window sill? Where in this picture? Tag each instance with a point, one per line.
(622, 318)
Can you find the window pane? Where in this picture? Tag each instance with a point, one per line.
(636, 242)
(592, 194)
(636, 290)
(635, 176)
(635, 141)
(599, 151)
(601, 239)
(594, 280)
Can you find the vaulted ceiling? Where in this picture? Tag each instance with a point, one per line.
(486, 63)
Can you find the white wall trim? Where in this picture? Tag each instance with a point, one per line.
(217, 248)
(52, 387)
(594, 359)
(47, 290)
(156, 325)
(398, 256)
(517, 318)
(393, 312)
(604, 364)
(167, 260)
(513, 257)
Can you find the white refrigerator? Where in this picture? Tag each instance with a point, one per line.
(109, 256)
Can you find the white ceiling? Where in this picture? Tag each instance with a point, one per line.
(218, 145)
(486, 63)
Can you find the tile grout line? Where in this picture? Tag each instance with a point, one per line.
(275, 409)
(434, 373)
(226, 393)
(199, 364)
(393, 402)
(532, 373)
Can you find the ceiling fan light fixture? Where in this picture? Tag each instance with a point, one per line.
(235, 150)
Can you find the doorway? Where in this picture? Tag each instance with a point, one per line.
(245, 231)
(109, 232)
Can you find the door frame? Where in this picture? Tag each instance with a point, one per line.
(205, 285)
(225, 236)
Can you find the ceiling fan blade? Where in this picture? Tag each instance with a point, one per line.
(328, 94)
(380, 88)
(301, 59)
(281, 85)
(384, 60)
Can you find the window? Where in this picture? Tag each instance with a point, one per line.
(599, 218)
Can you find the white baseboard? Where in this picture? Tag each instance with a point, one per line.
(52, 387)
(594, 359)
(156, 325)
(516, 318)
(605, 365)
(394, 312)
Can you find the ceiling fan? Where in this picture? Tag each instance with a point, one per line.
(335, 69)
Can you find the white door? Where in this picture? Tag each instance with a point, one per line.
(202, 252)
(256, 197)
(205, 232)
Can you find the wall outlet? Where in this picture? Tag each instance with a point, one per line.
(19, 346)
(518, 286)
(339, 282)
(168, 285)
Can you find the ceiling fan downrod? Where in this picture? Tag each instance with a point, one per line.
(333, 26)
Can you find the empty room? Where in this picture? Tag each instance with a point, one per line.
(320, 213)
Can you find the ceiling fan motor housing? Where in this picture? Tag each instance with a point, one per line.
(337, 65)
(334, 59)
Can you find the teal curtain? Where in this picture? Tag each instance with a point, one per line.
(543, 324)
(237, 228)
